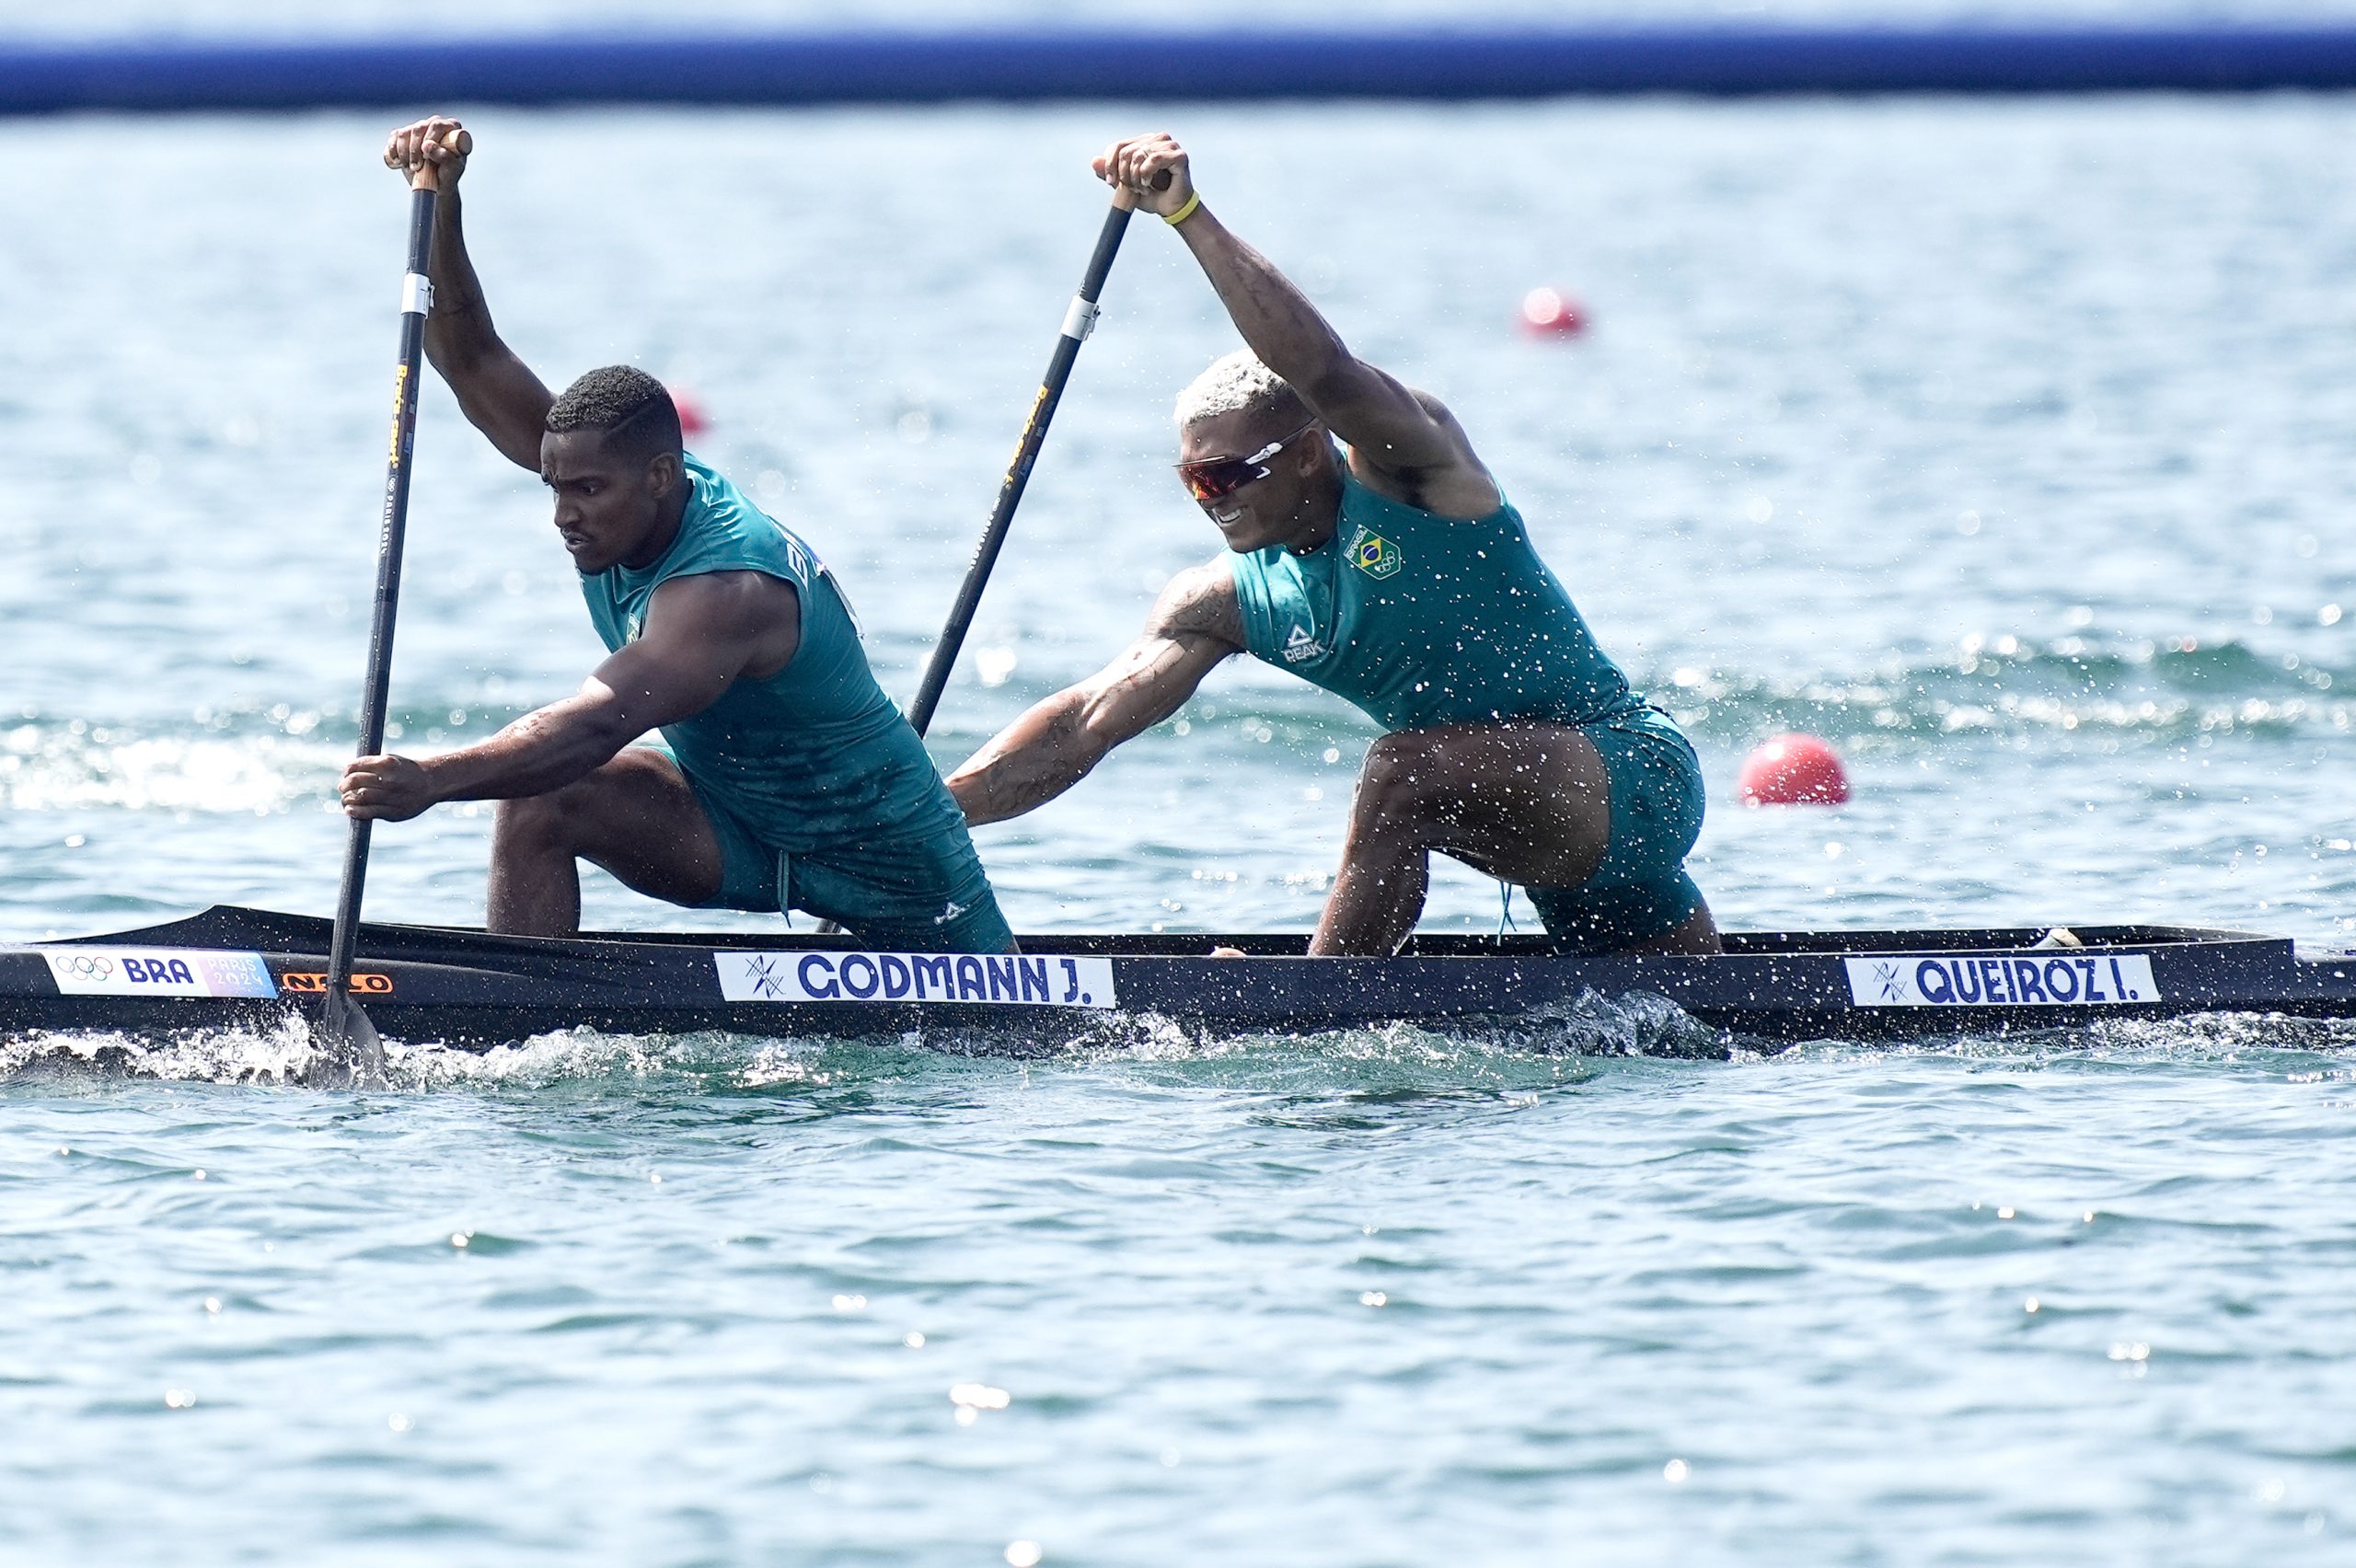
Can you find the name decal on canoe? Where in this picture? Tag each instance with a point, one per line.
(1015, 979)
(1972, 980)
(158, 972)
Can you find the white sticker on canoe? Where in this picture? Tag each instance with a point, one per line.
(1021, 980)
(158, 972)
(2011, 980)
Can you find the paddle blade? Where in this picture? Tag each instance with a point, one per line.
(350, 1053)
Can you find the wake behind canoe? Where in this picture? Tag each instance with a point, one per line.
(453, 986)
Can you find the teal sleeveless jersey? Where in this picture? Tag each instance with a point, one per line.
(1422, 620)
(814, 759)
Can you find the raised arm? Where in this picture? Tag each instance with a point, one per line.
(700, 634)
(497, 391)
(1403, 442)
(1195, 624)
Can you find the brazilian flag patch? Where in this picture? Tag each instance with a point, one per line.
(1374, 555)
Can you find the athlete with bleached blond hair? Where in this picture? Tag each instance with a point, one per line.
(1369, 551)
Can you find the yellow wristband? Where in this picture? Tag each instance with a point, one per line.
(1193, 199)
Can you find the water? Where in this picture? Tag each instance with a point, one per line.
(2006, 444)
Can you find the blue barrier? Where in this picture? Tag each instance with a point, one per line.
(1041, 65)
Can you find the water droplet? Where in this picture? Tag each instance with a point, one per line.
(913, 1340)
(851, 1303)
(398, 1422)
(213, 1304)
(179, 1399)
(2005, 1213)
(1675, 1472)
(1023, 1554)
(458, 1238)
(1373, 1298)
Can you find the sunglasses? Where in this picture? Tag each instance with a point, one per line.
(1212, 478)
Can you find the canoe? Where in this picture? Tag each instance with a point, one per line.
(231, 966)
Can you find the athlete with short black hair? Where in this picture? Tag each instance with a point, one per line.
(787, 780)
(1394, 573)
(632, 409)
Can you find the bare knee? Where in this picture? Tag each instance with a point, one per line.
(1401, 786)
(554, 821)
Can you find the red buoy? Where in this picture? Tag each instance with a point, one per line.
(1551, 313)
(1794, 771)
(692, 416)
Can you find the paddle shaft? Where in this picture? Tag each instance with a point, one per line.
(1079, 321)
(417, 295)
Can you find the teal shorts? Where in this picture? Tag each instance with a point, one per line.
(1640, 891)
(920, 894)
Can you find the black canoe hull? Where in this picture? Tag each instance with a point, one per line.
(464, 987)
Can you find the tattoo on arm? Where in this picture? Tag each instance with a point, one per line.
(1403, 442)
(1056, 745)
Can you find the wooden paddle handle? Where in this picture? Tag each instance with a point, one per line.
(427, 176)
(1126, 199)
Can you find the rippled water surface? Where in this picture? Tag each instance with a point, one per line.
(2010, 445)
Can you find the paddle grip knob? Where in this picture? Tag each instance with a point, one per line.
(1127, 200)
(428, 176)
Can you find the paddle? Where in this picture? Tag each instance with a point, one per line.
(343, 1027)
(1079, 320)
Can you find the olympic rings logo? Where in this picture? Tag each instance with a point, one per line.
(86, 966)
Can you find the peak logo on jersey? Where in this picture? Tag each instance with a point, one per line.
(1374, 555)
(1300, 647)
